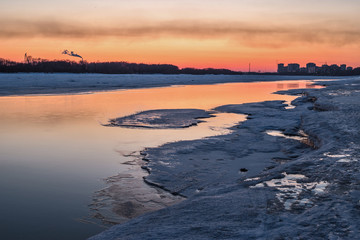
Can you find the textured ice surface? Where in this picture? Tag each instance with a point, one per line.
(184, 167)
(127, 196)
(290, 187)
(318, 198)
(164, 118)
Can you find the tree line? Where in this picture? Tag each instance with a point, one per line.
(45, 66)
(7, 66)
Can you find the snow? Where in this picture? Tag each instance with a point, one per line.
(162, 119)
(276, 133)
(311, 195)
(290, 188)
(59, 83)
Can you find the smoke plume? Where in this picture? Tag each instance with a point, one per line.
(67, 52)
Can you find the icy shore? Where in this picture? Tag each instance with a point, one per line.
(161, 119)
(42, 83)
(251, 184)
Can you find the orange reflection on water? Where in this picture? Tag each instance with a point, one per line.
(104, 105)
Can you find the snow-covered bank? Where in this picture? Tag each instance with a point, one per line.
(41, 83)
(251, 185)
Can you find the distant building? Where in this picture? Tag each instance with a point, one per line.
(334, 67)
(303, 70)
(325, 69)
(281, 68)
(311, 68)
(294, 67)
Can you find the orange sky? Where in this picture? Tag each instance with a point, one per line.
(220, 34)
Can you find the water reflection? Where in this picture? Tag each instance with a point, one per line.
(293, 85)
(280, 86)
(54, 151)
(102, 106)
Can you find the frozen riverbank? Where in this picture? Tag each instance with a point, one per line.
(252, 185)
(41, 83)
(63, 140)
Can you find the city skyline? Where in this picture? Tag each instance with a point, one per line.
(230, 34)
(313, 68)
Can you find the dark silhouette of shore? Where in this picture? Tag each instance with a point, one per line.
(46, 66)
(7, 66)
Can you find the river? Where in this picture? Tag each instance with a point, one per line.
(55, 152)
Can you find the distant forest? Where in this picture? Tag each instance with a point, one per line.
(45, 66)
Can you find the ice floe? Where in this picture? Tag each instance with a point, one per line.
(161, 119)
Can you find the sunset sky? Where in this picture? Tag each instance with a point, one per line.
(211, 33)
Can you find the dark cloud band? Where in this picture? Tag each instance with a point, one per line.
(246, 33)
